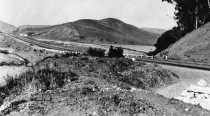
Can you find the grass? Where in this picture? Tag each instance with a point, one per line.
(41, 80)
(193, 47)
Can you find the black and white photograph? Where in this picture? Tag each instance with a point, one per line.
(104, 57)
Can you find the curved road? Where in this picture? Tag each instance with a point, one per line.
(193, 65)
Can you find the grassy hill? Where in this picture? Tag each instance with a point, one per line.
(104, 31)
(7, 28)
(195, 46)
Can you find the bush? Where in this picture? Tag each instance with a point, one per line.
(96, 52)
(4, 51)
(115, 52)
(44, 79)
(166, 39)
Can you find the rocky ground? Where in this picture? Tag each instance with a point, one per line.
(86, 86)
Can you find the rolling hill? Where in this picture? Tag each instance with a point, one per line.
(103, 31)
(195, 46)
(7, 28)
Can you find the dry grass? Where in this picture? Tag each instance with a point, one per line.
(106, 31)
(40, 80)
(52, 89)
(194, 46)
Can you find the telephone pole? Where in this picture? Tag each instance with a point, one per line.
(196, 15)
(209, 6)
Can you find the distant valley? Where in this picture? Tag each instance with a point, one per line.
(155, 30)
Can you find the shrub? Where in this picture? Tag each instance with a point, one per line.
(96, 52)
(4, 51)
(11, 83)
(44, 79)
(66, 54)
(166, 39)
(115, 52)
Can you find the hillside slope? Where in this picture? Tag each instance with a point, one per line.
(103, 31)
(195, 46)
(7, 28)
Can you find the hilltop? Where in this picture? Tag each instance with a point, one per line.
(7, 28)
(195, 46)
(105, 31)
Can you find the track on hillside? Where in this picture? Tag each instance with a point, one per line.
(32, 41)
(193, 65)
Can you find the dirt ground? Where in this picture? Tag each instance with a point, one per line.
(187, 78)
(193, 87)
(115, 87)
(99, 90)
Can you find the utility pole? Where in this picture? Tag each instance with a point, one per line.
(196, 15)
(209, 6)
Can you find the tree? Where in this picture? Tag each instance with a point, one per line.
(110, 53)
(191, 14)
(96, 52)
(115, 52)
(209, 6)
(166, 39)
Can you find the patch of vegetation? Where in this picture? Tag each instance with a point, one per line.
(189, 15)
(96, 52)
(41, 80)
(4, 51)
(115, 52)
(166, 39)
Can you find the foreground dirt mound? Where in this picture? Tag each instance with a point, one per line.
(195, 46)
(81, 86)
(91, 96)
(138, 74)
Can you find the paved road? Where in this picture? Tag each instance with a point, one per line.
(192, 65)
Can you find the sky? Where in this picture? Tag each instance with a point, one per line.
(141, 13)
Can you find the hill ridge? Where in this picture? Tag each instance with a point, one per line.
(7, 28)
(104, 31)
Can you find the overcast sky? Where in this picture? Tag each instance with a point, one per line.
(141, 13)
